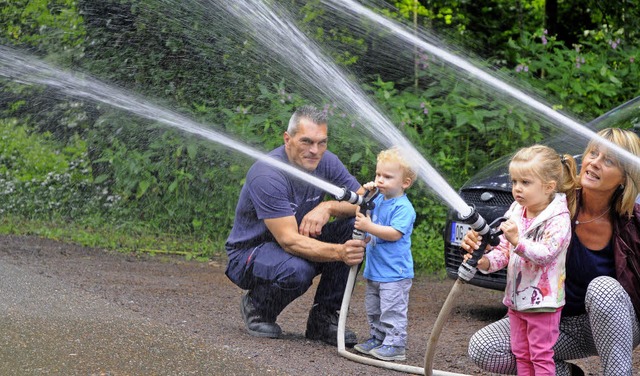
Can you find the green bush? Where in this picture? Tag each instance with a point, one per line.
(586, 79)
(42, 179)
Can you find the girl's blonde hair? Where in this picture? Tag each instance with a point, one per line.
(393, 155)
(548, 166)
(624, 199)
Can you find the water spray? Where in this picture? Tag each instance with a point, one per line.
(26, 69)
(356, 9)
(271, 25)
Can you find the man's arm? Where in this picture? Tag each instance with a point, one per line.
(285, 231)
(312, 223)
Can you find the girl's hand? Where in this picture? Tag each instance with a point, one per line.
(483, 263)
(471, 241)
(510, 230)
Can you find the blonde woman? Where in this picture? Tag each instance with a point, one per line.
(602, 301)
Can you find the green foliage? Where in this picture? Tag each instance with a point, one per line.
(412, 8)
(459, 132)
(117, 181)
(27, 156)
(53, 26)
(173, 182)
(344, 48)
(40, 178)
(427, 244)
(593, 76)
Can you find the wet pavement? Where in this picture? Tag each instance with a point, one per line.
(50, 328)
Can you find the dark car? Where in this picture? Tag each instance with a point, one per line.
(490, 191)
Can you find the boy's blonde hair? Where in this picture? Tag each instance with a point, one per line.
(547, 165)
(393, 155)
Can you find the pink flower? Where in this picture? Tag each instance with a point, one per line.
(614, 43)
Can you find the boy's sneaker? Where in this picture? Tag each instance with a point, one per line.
(387, 352)
(368, 345)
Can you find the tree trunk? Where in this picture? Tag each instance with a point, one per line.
(551, 16)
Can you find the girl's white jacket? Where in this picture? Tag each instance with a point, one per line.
(536, 266)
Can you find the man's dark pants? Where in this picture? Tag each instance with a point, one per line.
(275, 277)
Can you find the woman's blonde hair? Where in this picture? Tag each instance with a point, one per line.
(548, 166)
(393, 155)
(624, 199)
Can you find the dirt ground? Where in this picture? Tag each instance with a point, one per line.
(196, 299)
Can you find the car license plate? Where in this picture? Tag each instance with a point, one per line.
(458, 230)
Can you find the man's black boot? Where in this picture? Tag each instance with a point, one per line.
(256, 324)
(323, 325)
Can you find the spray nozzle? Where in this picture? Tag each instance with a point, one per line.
(354, 198)
(367, 200)
(349, 196)
(490, 236)
(474, 220)
(366, 203)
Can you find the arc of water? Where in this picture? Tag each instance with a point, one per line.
(281, 35)
(354, 8)
(20, 67)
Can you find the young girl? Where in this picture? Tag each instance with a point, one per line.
(534, 245)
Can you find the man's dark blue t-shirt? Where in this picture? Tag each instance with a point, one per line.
(269, 192)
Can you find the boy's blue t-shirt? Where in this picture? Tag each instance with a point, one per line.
(389, 261)
(270, 192)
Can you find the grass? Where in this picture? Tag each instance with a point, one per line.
(124, 239)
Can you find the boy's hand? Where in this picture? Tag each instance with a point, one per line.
(369, 186)
(362, 221)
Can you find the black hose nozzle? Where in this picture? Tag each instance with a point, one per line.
(366, 203)
(490, 236)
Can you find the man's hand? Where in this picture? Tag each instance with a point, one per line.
(353, 251)
(311, 224)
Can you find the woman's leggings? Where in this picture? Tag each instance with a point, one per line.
(609, 329)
